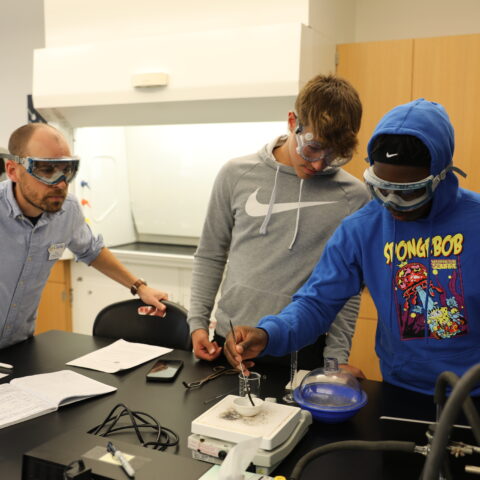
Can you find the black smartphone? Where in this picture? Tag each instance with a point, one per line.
(164, 370)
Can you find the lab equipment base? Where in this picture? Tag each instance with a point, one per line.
(48, 461)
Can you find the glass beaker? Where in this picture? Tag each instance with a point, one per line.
(253, 383)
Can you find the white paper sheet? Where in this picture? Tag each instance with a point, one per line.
(120, 355)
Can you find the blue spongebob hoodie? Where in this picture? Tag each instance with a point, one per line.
(422, 275)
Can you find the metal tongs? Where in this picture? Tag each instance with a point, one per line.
(217, 372)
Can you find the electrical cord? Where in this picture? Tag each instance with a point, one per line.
(164, 437)
(451, 379)
(388, 445)
(453, 405)
(444, 380)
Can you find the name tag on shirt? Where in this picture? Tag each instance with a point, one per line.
(55, 251)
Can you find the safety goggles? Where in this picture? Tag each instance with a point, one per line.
(404, 196)
(313, 151)
(48, 170)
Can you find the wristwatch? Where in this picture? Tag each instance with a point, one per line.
(134, 288)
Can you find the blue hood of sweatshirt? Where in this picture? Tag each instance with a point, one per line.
(429, 122)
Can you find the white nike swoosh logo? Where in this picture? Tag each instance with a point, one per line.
(254, 208)
(390, 155)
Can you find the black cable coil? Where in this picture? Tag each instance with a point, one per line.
(164, 437)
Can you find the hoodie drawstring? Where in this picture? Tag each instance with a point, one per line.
(298, 216)
(263, 227)
(429, 283)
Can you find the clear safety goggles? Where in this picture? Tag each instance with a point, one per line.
(405, 196)
(48, 170)
(313, 151)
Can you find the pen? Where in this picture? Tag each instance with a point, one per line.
(121, 458)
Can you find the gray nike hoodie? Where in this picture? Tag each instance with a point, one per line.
(264, 232)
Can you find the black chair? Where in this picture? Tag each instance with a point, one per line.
(121, 320)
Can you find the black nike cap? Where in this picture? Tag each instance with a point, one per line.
(400, 150)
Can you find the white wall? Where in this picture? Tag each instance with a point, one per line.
(83, 21)
(66, 22)
(21, 30)
(335, 19)
(394, 19)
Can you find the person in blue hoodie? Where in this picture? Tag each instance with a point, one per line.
(415, 246)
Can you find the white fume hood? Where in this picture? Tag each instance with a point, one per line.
(250, 73)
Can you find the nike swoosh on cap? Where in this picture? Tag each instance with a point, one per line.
(254, 208)
(390, 155)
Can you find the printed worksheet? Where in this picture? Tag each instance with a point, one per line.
(120, 355)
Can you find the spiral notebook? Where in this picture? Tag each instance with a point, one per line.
(29, 397)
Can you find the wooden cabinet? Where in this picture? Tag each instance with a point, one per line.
(55, 310)
(389, 73)
(362, 354)
(441, 69)
(447, 70)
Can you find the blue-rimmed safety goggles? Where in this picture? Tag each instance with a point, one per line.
(313, 151)
(48, 170)
(405, 196)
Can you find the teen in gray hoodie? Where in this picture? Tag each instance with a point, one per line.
(270, 216)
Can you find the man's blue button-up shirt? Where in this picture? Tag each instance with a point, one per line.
(27, 254)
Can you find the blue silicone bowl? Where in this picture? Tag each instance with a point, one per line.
(330, 394)
(327, 414)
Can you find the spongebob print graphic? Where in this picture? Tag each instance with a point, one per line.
(428, 287)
